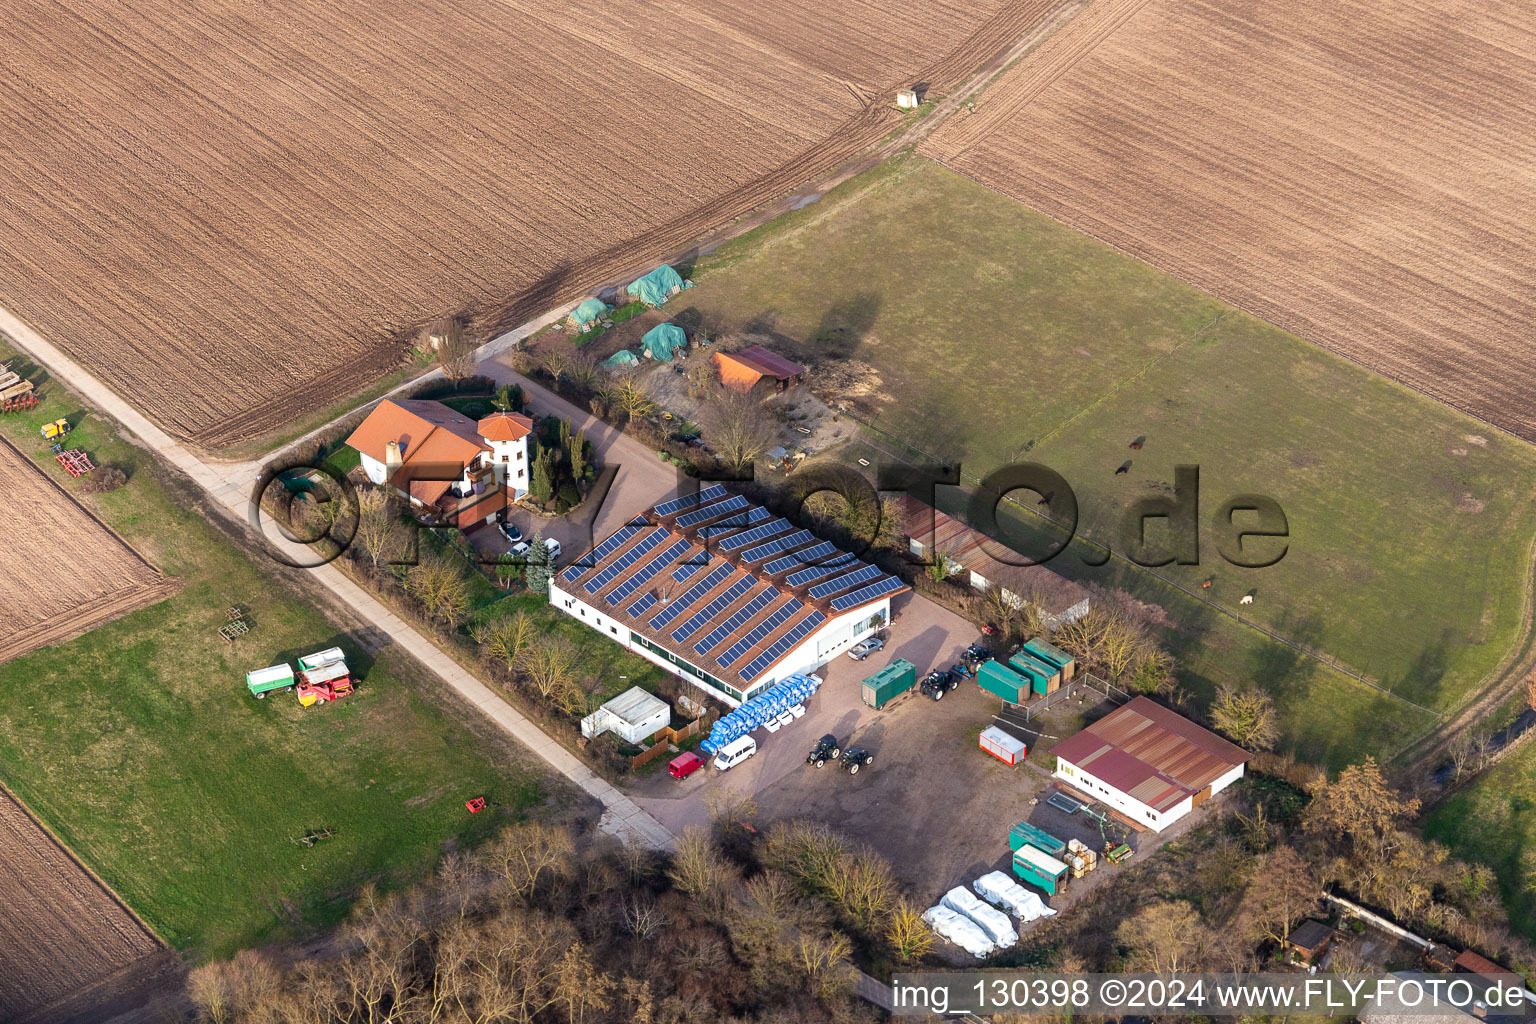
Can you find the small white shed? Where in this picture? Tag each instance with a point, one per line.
(634, 715)
(907, 99)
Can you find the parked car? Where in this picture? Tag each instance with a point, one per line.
(864, 648)
(938, 683)
(735, 752)
(550, 544)
(827, 749)
(684, 765)
(511, 532)
(855, 758)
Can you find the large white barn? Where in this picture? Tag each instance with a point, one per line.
(724, 594)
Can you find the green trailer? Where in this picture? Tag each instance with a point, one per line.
(1000, 680)
(1024, 834)
(264, 680)
(1053, 655)
(889, 683)
(1039, 869)
(1042, 678)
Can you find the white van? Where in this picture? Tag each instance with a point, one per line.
(735, 752)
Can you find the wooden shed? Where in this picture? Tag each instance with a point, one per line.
(1309, 940)
(742, 370)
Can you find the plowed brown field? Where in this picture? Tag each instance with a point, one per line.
(61, 929)
(1359, 173)
(232, 212)
(66, 572)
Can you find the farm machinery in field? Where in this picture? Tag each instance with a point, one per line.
(15, 392)
(321, 678)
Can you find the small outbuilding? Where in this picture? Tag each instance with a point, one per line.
(634, 715)
(1309, 941)
(742, 370)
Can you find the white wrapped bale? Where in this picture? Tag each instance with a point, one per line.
(990, 920)
(959, 929)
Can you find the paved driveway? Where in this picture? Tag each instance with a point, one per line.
(634, 478)
(926, 634)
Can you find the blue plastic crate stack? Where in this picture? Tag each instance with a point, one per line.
(768, 705)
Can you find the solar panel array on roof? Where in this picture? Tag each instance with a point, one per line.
(755, 534)
(708, 512)
(888, 585)
(697, 620)
(697, 559)
(603, 550)
(827, 568)
(698, 590)
(709, 493)
(759, 633)
(644, 604)
(852, 579)
(638, 578)
(800, 559)
(782, 645)
(624, 561)
(739, 618)
(776, 545)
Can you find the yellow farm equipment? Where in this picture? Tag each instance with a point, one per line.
(55, 430)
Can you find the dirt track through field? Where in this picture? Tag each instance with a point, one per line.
(1357, 173)
(61, 929)
(235, 217)
(67, 572)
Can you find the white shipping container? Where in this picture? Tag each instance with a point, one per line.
(1003, 746)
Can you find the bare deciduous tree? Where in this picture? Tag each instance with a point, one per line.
(737, 426)
(907, 932)
(440, 586)
(1247, 716)
(524, 853)
(456, 354)
(378, 522)
(632, 396)
(1165, 937)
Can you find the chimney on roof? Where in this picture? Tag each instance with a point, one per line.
(392, 459)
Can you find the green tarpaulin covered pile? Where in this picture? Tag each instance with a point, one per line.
(658, 286)
(623, 359)
(663, 340)
(589, 311)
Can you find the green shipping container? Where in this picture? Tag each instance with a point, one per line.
(889, 683)
(1053, 655)
(997, 678)
(1024, 834)
(1040, 675)
(1039, 869)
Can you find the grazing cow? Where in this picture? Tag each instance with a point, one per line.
(1123, 469)
(1247, 599)
(1207, 584)
(1047, 499)
(1136, 444)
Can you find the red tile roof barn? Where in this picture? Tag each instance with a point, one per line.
(1151, 754)
(769, 364)
(979, 553)
(1474, 963)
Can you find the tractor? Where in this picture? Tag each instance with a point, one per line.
(827, 749)
(938, 683)
(976, 654)
(855, 758)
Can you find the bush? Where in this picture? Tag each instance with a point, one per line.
(569, 494)
(104, 479)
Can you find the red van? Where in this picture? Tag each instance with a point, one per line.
(684, 765)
